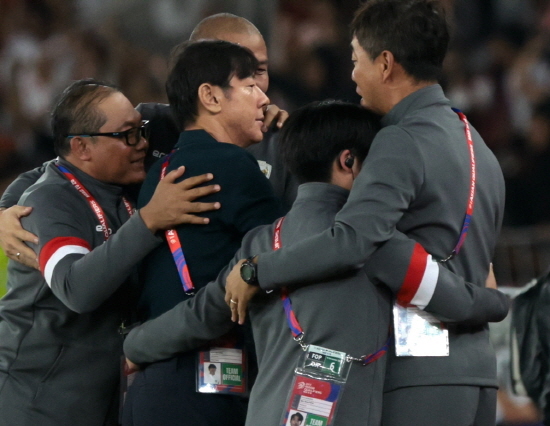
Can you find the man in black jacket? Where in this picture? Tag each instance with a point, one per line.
(216, 101)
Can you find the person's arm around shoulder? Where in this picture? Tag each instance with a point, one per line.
(416, 278)
(12, 236)
(83, 276)
(185, 327)
(376, 203)
(192, 322)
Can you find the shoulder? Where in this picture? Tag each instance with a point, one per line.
(395, 140)
(52, 186)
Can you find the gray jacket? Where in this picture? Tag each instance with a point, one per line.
(60, 347)
(416, 180)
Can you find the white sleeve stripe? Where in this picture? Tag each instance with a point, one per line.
(427, 285)
(59, 254)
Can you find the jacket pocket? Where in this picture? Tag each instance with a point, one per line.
(51, 371)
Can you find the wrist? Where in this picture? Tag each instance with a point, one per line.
(147, 220)
(249, 271)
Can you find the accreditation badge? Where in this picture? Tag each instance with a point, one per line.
(317, 387)
(417, 333)
(222, 368)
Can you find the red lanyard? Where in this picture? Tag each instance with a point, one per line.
(295, 327)
(175, 245)
(96, 208)
(471, 195)
(293, 324)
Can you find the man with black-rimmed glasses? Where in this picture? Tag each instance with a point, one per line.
(59, 326)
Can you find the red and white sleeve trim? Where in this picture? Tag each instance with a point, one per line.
(57, 249)
(421, 279)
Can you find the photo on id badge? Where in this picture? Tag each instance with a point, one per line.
(212, 373)
(296, 418)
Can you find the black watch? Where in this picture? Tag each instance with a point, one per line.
(249, 272)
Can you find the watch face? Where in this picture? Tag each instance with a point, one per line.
(247, 272)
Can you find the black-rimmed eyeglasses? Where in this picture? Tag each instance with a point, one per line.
(131, 136)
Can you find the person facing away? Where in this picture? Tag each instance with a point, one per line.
(324, 145)
(429, 175)
(164, 133)
(218, 105)
(59, 326)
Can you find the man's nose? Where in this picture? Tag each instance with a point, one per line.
(263, 99)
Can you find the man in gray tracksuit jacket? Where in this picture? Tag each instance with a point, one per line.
(59, 327)
(417, 179)
(347, 314)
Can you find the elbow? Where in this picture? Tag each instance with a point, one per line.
(80, 306)
(77, 303)
(80, 302)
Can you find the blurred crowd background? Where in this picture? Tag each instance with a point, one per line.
(497, 71)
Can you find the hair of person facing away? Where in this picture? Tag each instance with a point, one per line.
(414, 31)
(219, 25)
(76, 112)
(207, 61)
(315, 134)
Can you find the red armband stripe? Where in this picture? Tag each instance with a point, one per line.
(420, 280)
(56, 249)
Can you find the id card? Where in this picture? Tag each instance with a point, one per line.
(222, 369)
(316, 388)
(417, 333)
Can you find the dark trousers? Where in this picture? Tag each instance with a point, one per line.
(164, 394)
(440, 406)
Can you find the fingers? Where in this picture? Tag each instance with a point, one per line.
(193, 194)
(273, 114)
(174, 174)
(193, 181)
(241, 312)
(25, 255)
(13, 236)
(234, 313)
(283, 115)
(491, 281)
(130, 367)
(194, 220)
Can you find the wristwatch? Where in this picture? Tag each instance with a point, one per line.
(249, 272)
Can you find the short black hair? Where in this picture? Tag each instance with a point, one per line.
(205, 61)
(75, 111)
(298, 415)
(314, 135)
(212, 366)
(414, 31)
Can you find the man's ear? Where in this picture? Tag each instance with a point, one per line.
(80, 148)
(210, 97)
(387, 64)
(346, 160)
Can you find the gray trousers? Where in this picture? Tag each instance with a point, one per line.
(440, 406)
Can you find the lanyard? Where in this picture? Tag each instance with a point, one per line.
(295, 327)
(96, 208)
(175, 244)
(470, 206)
